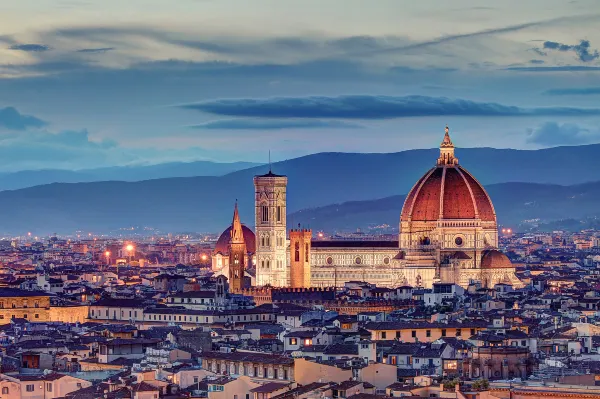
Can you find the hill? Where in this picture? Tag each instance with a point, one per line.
(30, 178)
(518, 205)
(205, 203)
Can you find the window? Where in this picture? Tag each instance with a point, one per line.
(279, 214)
(297, 252)
(5, 391)
(398, 334)
(264, 213)
(305, 252)
(472, 331)
(49, 386)
(443, 333)
(383, 335)
(293, 341)
(29, 387)
(413, 334)
(265, 372)
(428, 333)
(458, 332)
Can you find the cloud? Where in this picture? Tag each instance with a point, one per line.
(552, 133)
(95, 50)
(582, 50)
(12, 119)
(274, 124)
(536, 62)
(35, 48)
(43, 149)
(574, 91)
(370, 107)
(484, 32)
(564, 68)
(75, 149)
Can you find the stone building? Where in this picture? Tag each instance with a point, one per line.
(448, 233)
(300, 246)
(237, 253)
(270, 221)
(500, 363)
(31, 305)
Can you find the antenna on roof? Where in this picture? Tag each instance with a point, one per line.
(269, 161)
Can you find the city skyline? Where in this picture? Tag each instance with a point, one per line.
(86, 84)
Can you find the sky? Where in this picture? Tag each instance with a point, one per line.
(86, 83)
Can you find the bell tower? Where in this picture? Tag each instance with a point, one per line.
(270, 229)
(237, 253)
(300, 246)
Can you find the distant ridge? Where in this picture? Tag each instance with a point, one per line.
(541, 182)
(30, 178)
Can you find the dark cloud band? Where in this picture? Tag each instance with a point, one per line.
(270, 124)
(12, 119)
(371, 107)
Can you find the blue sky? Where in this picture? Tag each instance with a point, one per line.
(94, 83)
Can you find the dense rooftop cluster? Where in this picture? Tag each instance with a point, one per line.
(78, 328)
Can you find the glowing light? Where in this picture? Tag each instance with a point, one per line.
(129, 247)
(321, 235)
(29, 234)
(204, 257)
(107, 254)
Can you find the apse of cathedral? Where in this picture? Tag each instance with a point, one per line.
(448, 233)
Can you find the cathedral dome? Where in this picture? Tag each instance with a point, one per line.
(447, 191)
(222, 245)
(494, 259)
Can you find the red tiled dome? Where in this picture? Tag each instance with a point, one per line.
(222, 245)
(447, 192)
(494, 259)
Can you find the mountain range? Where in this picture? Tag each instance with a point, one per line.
(520, 206)
(30, 178)
(549, 184)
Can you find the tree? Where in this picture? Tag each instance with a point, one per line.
(481, 385)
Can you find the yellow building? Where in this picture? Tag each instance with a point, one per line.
(422, 332)
(31, 305)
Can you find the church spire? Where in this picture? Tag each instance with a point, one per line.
(237, 235)
(447, 151)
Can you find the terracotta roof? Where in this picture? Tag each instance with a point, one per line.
(494, 259)
(222, 244)
(448, 192)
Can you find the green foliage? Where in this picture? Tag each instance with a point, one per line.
(450, 384)
(481, 385)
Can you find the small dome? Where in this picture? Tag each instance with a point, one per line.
(222, 245)
(494, 259)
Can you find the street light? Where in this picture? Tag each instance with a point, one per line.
(129, 249)
(107, 254)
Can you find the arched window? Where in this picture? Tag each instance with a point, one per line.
(306, 253)
(264, 213)
(297, 252)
